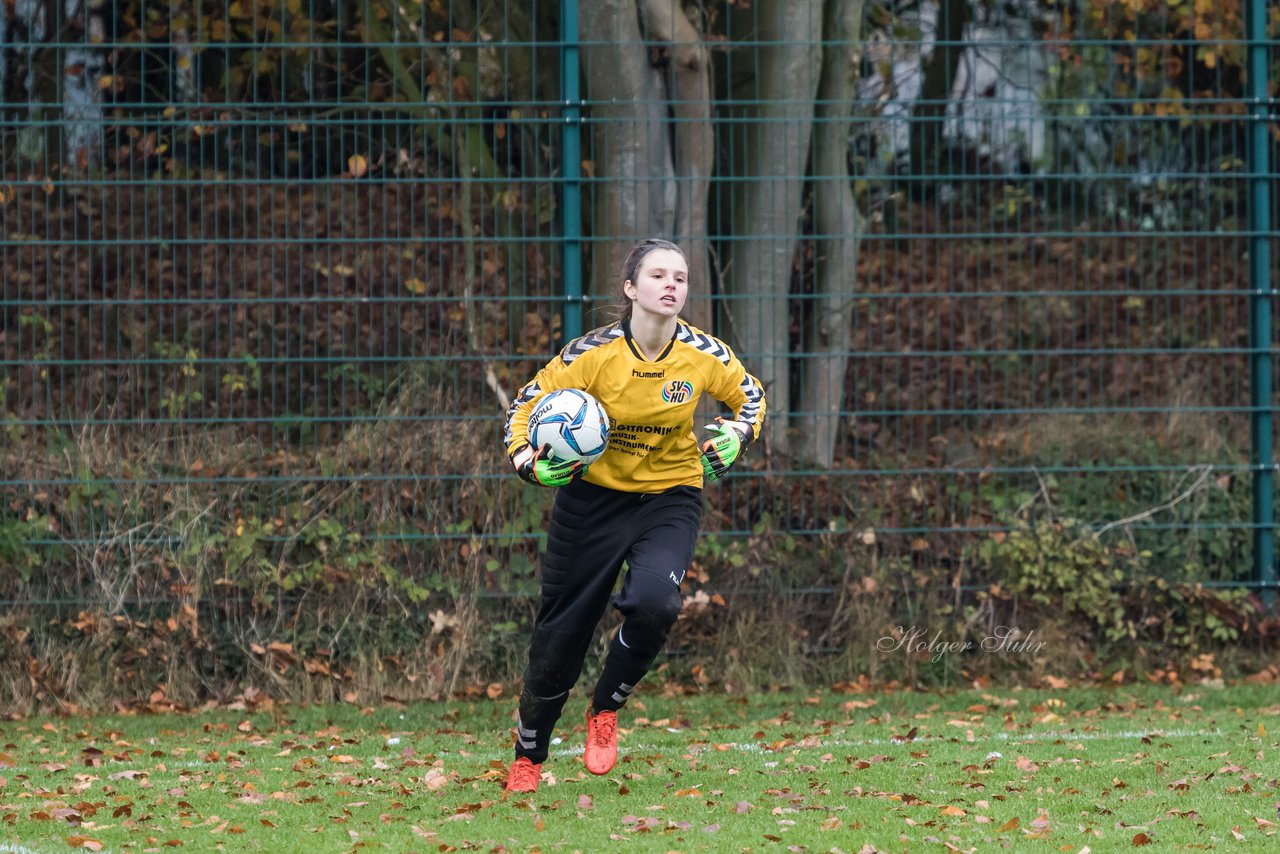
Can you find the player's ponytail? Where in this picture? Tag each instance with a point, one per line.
(631, 266)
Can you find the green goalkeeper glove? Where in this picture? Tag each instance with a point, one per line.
(541, 469)
(720, 452)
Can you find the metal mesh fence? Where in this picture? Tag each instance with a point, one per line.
(273, 270)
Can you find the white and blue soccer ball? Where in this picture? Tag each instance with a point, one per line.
(572, 422)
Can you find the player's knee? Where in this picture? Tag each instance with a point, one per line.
(655, 612)
(668, 610)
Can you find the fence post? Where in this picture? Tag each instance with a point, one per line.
(1258, 152)
(571, 170)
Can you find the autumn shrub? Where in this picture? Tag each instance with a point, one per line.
(333, 597)
(187, 566)
(1062, 567)
(1134, 589)
(199, 563)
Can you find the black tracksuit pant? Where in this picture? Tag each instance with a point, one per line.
(593, 531)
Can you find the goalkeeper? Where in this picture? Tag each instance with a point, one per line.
(639, 503)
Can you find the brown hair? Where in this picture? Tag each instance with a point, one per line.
(631, 266)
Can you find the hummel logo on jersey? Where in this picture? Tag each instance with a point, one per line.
(677, 391)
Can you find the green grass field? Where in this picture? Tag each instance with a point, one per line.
(1082, 769)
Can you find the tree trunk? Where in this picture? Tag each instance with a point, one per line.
(36, 79)
(688, 88)
(937, 80)
(82, 70)
(533, 75)
(650, 113)
(628, 143)
(6, 24)
(184, 32)
(765, 211)
(838, 226)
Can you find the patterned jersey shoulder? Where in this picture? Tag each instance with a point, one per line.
(703, 342)
(593, 339)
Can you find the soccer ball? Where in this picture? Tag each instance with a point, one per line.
(572, 422)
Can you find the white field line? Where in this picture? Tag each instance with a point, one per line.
(753, 747)
(559, 749)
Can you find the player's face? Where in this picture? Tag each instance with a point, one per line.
(661, 284)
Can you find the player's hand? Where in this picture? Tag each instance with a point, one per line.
(541, 469)
(722, 450)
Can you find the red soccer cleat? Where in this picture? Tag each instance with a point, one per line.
(602, 742)
(524, 776)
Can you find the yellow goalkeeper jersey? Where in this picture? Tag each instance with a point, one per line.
(652, 445)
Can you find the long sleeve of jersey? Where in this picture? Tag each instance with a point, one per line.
(651, 404)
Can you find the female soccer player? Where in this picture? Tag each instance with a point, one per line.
(640, 502)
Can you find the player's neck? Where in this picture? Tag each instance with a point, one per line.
(651, 333)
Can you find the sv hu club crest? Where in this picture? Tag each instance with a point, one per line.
(677, 391)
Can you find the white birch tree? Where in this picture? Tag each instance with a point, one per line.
(83, 66)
